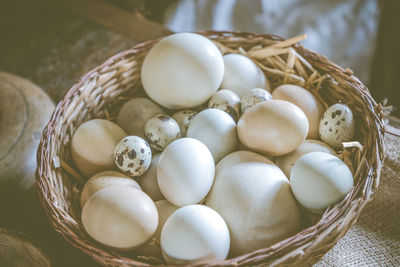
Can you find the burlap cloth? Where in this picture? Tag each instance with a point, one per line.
(374, 240)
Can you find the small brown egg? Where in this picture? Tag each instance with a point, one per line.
(306, 101)
(103, 180)
(274, 127)
(93, 145)
(286, 162)
(120, 217)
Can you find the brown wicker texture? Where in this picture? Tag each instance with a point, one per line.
(99, 94)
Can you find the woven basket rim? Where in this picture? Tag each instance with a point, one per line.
(275, 253)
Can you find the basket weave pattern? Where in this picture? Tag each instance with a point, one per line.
(101, 92)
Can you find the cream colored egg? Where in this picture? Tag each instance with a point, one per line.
(274, 127)
(195, 234)
(183, 70)
(185, 171)
(148, 181)
(103, 180)
(152, 247)
(242, 74)
(93, 145)
(319, 180)
(253, 196)
(286, 162)
(135, 113)
(217, 130)
(120, 217)
(306, 101)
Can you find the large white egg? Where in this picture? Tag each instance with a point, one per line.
(319, 179)
(217, 130)
(120, 217)
(148, 181)
(286, 162)
(185, 171)
(242, 74)
(253, 196)
(195, 234)
(93, 145)
(182, 70)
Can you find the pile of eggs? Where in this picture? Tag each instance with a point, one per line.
(210, 164)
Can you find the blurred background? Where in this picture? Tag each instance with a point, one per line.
(53, 43)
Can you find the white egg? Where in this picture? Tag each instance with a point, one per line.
(195, 234)
(286, 162)
(133, 155)
(337, 125)
(253, 97)
(217, 130)
(183, 70)
(185, 171)
(253, 196)
(120, 217)
(319, 179)
(183, 118)
(242, 74)
(135, 113)
(226, 100)
(148, 181)
(161, 130)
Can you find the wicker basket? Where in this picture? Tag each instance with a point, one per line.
(99, 94)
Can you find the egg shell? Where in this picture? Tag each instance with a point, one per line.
(253, 97)
(133, 155)
(185, 171)
(182, 70)
(195, 234)
(134, 114)
(320, 179)
(306, 101)
(337, 125)
(274, 127)
(161, 130)
(226, 100)
(286, 162)
(253, 196)
(148, 181)
(242, 74)
(93, 145)
(183, 118)
(120, 217)
(217, 130)
(103, 180)
(151, 247)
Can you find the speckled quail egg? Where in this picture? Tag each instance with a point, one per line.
(161, 130)
(133, 155)
(226, 100)
(183, 118)
(255, 96)
(337, 125)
